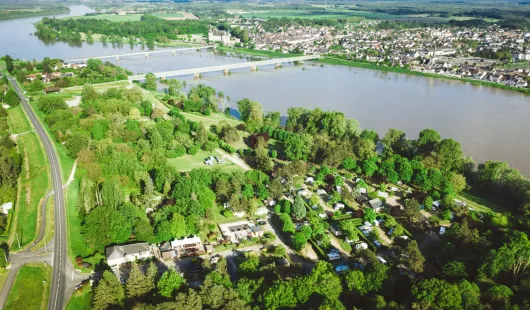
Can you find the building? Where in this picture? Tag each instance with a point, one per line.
(6, 207)
(237, 231)
(375, 204)
(120, 254)
(188, 246)
(219, 36)
(334, 228)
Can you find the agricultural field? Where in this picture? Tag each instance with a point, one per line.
(31, 288)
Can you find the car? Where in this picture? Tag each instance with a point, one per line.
(381, 259)
(377, 243)
(261, 222)
(333, 256)
(341, 268)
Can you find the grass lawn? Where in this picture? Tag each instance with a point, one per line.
(50, 224)
(76, 90)
(209, 120)
(190, 162)
(270, 54)
(80, 301)
(481, 204)
(31, 289)
(168, 15)
(32, 189)
(17, 120)
(113, 17)
(77, 245)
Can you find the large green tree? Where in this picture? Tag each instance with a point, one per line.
(109, 292)
(169, 283)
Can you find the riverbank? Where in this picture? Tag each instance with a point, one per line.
(14, 12)
(342, 62)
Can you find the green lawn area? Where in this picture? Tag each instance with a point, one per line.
(33, 187)
(50, 224)
(77, 245)
(209, 120)
(17, 120)
(114, 17)
(80, 301)
(270, 54)
(76, 90)
(190, 162)
(31, 289)
(313, 14)
(481, 204)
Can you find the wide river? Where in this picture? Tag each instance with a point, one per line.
(489, 123)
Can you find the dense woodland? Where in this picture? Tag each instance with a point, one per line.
(149, 29)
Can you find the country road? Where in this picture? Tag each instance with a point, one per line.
(60, 259)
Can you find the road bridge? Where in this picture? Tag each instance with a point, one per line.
(226, 68)
(146, 54)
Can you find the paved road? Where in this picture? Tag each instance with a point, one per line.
(60, 259)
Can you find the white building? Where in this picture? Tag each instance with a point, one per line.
(6, 207)
(120, 254)
(188, 246)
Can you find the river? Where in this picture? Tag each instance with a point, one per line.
(490, 123)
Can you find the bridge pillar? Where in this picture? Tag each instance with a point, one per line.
(146, 55)
(117, 58)
(226, 72)
(253, 68)
(196, 76)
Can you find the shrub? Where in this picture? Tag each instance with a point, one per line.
(192, 150)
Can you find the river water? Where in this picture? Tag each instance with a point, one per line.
(490, 123)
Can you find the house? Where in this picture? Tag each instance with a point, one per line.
(335, 230)
(257, 231)
(321, 192)
(361, 246)
(261, 211)
(382, 194)
(120, 254)
(310, 180)
(188, 246)
(6, 207)
(338, 206)
(375, 204)
(236, 231)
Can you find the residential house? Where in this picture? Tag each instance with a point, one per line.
(375, 204)
(188, 246)
(335, 230)
(120, 254)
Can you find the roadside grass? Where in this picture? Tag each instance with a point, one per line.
(50, 225)
(17, 120)
(33, 187)
(113, 17)
(481, 204)
(65, 162)
(76, 244)
(190, 162)
(31, 288)
(3, 277)
(213, 119)
(80, 301)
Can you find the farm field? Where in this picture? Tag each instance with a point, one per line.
(114, 17)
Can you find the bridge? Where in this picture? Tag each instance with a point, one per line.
(226, 68)
(146, 54)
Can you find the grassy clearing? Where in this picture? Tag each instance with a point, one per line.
(270, 54)
(113, 17)
(17, 120)
(481, 204)
(209, 120)
(76, 243)
(80, 301)
(50, 224)
(190, 162)
(76, 90)
(168, 15)
(33, 187)
(314, 14)
(31, 289)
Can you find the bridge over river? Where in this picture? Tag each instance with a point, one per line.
(226, 68)
(146, 54)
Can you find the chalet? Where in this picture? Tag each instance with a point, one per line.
(335, 230)
(375, 204)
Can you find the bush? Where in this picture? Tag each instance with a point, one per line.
(207, 111)
(192, 150)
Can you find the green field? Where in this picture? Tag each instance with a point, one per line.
(481, 204)
(190, 162)
(168, 15)
(77, 245)
(80, 301)
(76, 90)
(114, 17)
(209, 120)
(270, 54)
(31, 288)
(17, 120)
(33, 187)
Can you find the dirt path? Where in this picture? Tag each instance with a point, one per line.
(236, 160)
(335, 242)
(384, 238)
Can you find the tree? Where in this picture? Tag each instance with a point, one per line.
(9, 63)
(370, 166)
(299, 210)
(499, 296)
(11, 98)
(427, 140)
(393, 140)
(298, 146)
(412, 210)
(512, 258)
(457, 181)
(450, 155)
(436, 294)
(189, 301)
(454, 270)
(356, 282)
(349, 164)
(138, 283)
(109, 292)
(276, 188)
(369, 215)
(169, 283)
(349, 229)
(409, 254)
(150, 81)
(174, 86)
(251, 114)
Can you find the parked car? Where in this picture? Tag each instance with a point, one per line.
(341, 268)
